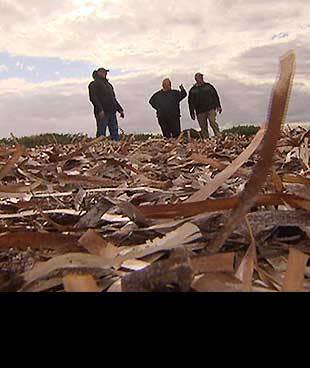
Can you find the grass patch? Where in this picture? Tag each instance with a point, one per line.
(44, 139)
(246, 130)
(63, 139)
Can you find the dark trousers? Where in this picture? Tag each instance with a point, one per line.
(171, 127)
(109, 121)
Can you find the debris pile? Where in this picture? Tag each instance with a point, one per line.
(226, 214)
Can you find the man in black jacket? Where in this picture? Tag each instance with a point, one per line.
(205, 102)
(102, 96)
(167, 104)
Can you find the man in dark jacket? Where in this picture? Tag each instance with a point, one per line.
(205, 102)
(167, 104)
(102, 96)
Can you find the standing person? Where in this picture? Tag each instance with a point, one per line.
(167, 104)
(102, 96)
(205, 102)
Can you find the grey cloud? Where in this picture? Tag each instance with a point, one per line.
(264, 15)
(17, 15)
(280, 36)
(192, 19)
(10, 16)
(299, 108)
(143, 32)
(25, 11)
(263, 61)
(33, 8)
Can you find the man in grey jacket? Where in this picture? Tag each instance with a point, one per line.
(204, 102)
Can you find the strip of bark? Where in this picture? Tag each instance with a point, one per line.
(279, 105)
(214, 205)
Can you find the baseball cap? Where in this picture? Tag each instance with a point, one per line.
(103, 70)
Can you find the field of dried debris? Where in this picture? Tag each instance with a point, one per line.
(226, 214)
(102, 216)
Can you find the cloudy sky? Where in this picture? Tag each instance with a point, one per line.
(48, 50)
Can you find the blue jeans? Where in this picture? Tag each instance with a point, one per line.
(110, 121)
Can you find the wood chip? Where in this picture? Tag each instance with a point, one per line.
(80, 284)
(295, 275)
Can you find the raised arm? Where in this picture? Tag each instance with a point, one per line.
(182, 93)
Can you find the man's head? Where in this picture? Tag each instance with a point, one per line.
(199, 78)
(167, 84)
(102, 72)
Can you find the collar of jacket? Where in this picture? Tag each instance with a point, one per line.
(198, 85)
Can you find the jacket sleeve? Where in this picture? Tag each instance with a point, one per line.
(94, 98)
(216, 97)
(181, 95)
(191, 103)
(119, 107)
(153, 101)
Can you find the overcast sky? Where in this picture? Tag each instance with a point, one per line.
(48, 50)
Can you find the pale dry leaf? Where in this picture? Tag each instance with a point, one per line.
(180, 237)
(304, 153)
(217, 282)
(8, 167)
(216, 263)
(92, 242)
(78, 199)
(70, 261)
(95, 244)
(295, 274)
(220, 179)
(246, 269)
(134, 265)
(116, 287)
(80, 283)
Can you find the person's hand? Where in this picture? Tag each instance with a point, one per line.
(122, 114)
(220, 110)
(181, 87)
(193, 116)
(101, 115)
